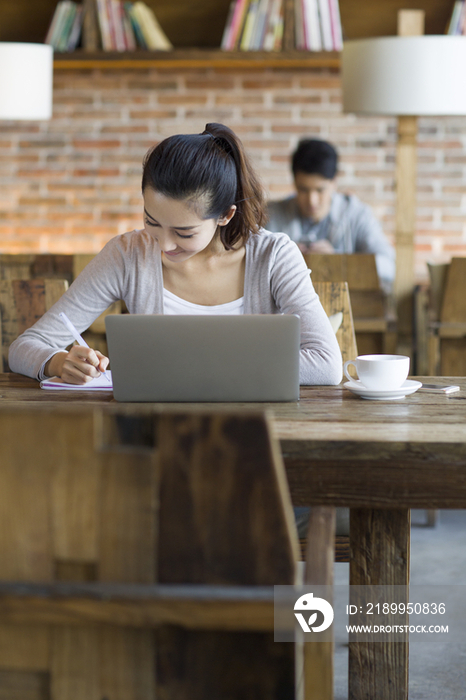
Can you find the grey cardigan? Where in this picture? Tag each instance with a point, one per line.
(129, 267)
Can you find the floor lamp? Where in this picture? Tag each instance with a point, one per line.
(25, 81)
(407, 77)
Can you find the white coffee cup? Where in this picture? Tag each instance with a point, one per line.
(380, 372)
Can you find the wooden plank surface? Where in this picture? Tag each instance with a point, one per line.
(241, 532)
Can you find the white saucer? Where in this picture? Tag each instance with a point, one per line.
(408, 387)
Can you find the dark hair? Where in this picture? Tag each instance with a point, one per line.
(213, 172)
(315, 157)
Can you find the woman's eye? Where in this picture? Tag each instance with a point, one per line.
(180, 235)
(150, 223)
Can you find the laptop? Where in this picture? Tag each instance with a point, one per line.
(204, 358)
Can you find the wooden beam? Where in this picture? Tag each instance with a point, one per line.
(191, 607)
(410, 23)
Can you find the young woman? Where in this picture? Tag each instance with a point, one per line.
(202, 250)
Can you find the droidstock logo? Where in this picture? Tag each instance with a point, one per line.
(312, 606)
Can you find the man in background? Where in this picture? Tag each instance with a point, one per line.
(322, 220)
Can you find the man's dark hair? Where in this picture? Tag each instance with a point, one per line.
(315, 157)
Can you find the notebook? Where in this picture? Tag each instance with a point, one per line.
(102, 383)
(204, 358)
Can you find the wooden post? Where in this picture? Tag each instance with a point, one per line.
(320, 555)
(410, 23)
(379, 669)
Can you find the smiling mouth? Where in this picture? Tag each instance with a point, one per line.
(173, 252)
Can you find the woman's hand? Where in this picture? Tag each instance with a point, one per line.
(78, 366)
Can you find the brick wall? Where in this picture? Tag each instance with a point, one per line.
(70, 184)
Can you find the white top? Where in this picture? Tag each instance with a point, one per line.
(173, 305)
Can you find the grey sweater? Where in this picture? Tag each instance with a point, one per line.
(130, 268)
(350, 226)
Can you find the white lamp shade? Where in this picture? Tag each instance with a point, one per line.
(419, 75)
(25, 81)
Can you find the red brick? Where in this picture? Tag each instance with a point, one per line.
(152, 114)
(115, 143)
(182, 100)
(213, 83)
(266, 83)
(101, 172)
(234, 99)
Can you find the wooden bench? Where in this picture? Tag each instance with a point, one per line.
(138, 555)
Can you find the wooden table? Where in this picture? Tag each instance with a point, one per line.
(380, 459)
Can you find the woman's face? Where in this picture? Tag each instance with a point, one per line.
(176, 226)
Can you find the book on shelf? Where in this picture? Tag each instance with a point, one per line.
(239, 20)
(288, 42)
(457, 23)
(335, 18)
(154, 36)
(299, 33)
(258, 34)
(325, 25)
(65, 23)
(275, 27)
(228, 26)
(116, 26)
(271, 25)
(137, 31)
(249, 25)
(312, 32)
(76, 29)
(104, 26)
(128, 30)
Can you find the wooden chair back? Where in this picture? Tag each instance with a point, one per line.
(122, 522)
(447, 339)
(358, 269)
(374, 320)
(22, 303)
(437, 277)
(53, 266)
(335, 297)
(453, 305)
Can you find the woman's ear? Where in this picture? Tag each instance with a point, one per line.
(224, 220)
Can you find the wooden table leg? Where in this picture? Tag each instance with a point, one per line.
(320, 555)
(379, 545)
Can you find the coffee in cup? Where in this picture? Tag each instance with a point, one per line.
(380, 372)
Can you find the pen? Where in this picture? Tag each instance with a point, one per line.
(79, 339)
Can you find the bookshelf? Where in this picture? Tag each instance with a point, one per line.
(196, 30)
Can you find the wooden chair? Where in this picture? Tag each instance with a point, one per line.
(447, 325)
(374, 321)
(22, 303)
(146, 546)
(54, 266)
(335, 298)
